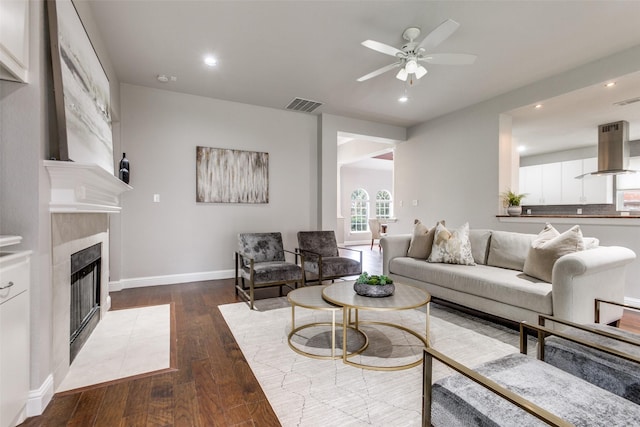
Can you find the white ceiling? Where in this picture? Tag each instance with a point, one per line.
(272, 51)
(571, 120)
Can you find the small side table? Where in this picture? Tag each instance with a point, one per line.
(310, 297)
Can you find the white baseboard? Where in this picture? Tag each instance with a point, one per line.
(632, 301)
(140, 282)
(40, 398)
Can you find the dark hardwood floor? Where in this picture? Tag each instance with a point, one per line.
(212, 385)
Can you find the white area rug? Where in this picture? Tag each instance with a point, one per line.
(309, 392)
(125, 343)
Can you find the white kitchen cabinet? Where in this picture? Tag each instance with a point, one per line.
(572, 187)
(596, 189)
(531, 185)
(556, 184)
(541, 184)
(14, 40)
(551, 187)
(14, 336)
(630, 181)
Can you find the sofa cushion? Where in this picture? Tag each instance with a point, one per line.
(422, 240)
(508, 249)
(499, 284)
(548, 247)
(269, 272)
(479, 240)
(452, 247)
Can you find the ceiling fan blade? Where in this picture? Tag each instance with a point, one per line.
(440, 34)
(449, 58)
(380, 71)
(382, 48)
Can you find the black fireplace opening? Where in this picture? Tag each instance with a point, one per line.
(85, 296)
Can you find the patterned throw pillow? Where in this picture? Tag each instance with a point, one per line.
(452, 247)
(548, 247)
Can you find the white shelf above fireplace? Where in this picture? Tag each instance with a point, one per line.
(81, 187)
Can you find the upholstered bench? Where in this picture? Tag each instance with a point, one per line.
(532, 391)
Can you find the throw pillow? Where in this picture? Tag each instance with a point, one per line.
(417, 247)
(548, 247)
(452, 247)
(422, 240)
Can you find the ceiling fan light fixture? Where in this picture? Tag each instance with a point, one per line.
(402, 75)
(412, 66)
(421, 72)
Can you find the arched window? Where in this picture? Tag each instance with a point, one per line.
(383, 204)
(359, 210)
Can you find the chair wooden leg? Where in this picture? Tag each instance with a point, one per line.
(372, 244)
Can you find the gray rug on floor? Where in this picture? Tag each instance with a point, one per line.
(308, 392)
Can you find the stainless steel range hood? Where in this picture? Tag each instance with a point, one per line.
(613, 149)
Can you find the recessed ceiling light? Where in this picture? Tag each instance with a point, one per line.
(538, 106)
(610, 84)
(403, 98)
(210, 61)
(521, 148)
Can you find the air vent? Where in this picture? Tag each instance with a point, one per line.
(627, 101)
(304, 105)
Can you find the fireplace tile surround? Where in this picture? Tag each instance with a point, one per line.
(72, 232)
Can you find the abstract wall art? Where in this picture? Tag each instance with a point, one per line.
(231, 176)
(83, 101)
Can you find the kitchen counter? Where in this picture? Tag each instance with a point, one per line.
(571, 216)
(616, 220)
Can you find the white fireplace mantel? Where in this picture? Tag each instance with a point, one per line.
(81, 187)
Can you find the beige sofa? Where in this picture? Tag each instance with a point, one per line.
(497, 285)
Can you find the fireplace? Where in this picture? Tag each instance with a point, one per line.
(85, 296)
(83, 196)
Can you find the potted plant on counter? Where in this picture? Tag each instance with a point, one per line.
(512, 201)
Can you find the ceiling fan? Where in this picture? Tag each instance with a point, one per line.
(413, 53)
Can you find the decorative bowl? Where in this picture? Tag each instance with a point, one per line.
(375, 291)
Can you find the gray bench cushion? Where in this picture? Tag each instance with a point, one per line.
(610, 372)
(458, 401)
(499, 284)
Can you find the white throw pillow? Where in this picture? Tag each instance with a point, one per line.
(548, 247)
(452, 247)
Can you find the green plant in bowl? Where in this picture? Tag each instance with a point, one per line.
(374, 285)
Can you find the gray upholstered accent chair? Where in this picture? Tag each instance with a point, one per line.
(260, 261)
(601, 354)
(322, 259)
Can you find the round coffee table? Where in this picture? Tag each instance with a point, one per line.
(310, 297)
(405, 297)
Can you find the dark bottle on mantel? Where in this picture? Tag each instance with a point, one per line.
(124, 169)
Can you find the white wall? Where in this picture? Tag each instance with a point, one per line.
(450, 164)
(372, 181)
(160, 131)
